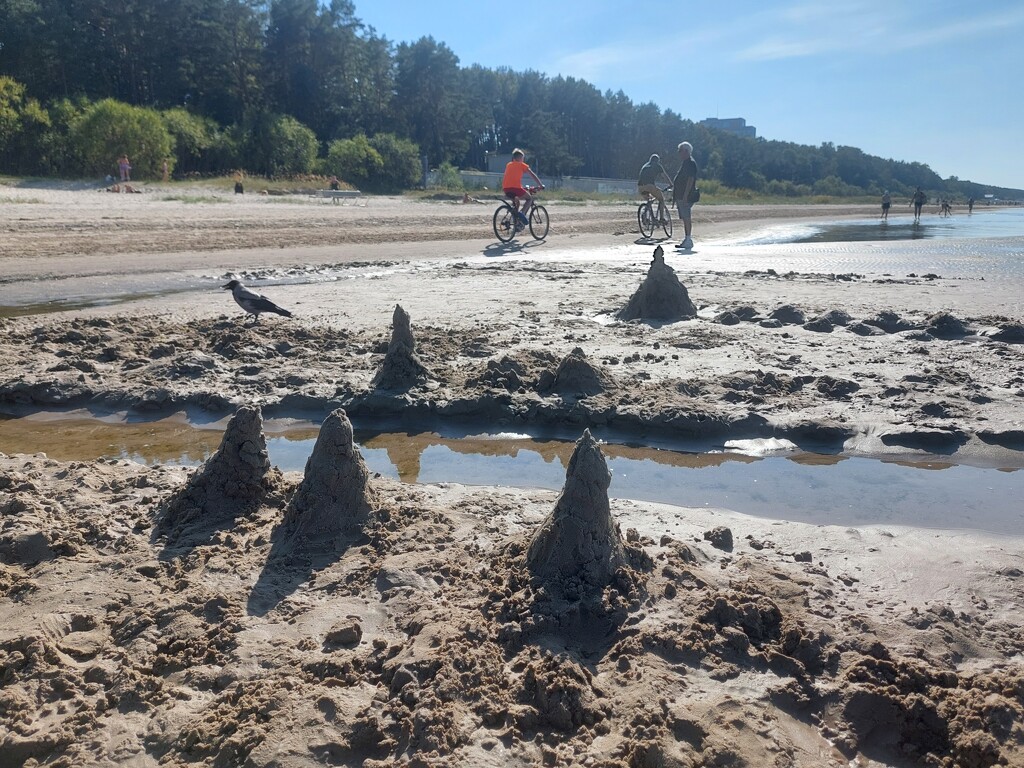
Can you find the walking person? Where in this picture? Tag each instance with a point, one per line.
(886, 202)
(918, 201)
(124, 167)
(684, 186)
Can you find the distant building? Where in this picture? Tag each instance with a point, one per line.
(496, 161)
(735, 125)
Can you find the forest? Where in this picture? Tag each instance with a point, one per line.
(290, 87)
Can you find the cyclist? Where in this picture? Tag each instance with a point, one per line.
(650, 172)
(512, 184)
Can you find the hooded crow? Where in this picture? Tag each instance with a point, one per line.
(252, 302)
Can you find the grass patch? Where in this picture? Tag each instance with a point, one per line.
(21, 200)
(192, 199)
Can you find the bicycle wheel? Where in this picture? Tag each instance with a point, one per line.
(645, 218)
(504, 223)
(539, 222)
(665, 215)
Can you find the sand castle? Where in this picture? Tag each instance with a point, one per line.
(579, 541)
(661, 296)
(335, 495)
(576, 375)
(402, 368)
(231, 484)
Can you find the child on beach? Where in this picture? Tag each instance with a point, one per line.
(512, 183)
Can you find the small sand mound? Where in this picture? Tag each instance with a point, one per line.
(402, 368)
(837, 317)
(334, 495)
(660, 296)
(890, 322)
(232, 483)
(943, 325)
(579, 541)
(819, 325)
(576, 375)
(1011, 333)
(745, 312)
(788, 314)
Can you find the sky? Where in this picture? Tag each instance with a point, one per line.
(934, 82)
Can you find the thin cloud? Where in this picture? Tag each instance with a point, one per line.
(592, 64)
(965, 28)
(803, 31)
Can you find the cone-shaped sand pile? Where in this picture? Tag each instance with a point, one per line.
(401, 368)
(232, 483)
(575, 375)
(660, 296)
(334, 495)
(578, 542)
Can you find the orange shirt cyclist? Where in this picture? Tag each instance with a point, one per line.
(512, 183)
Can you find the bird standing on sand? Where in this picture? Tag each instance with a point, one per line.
(252, 302)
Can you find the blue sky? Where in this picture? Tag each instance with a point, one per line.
(934, 81)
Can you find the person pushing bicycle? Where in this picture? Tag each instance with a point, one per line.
(650, 172)
(512, 184)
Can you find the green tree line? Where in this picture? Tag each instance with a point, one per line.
(299, 86)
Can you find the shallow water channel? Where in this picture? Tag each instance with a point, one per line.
(822, 489)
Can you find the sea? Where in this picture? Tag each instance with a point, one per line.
(987, 244)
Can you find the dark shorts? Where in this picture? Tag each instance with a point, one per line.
(515, 191)
(885, 206)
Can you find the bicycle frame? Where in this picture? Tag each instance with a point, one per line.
(506, 226)
(650, 215)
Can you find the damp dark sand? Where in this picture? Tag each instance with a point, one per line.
(141, 627)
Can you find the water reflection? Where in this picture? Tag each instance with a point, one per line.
(856, 232)
(806, 487)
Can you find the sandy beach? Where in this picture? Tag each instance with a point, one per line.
(233, 614)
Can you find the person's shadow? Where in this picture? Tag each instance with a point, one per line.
(290, 563)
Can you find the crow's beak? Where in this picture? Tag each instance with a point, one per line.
(226, 287)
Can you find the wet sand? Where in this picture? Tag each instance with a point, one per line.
(420, 636)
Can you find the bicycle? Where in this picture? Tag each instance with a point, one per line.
(506, 218)
(649, 220)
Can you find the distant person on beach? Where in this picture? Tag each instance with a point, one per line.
(918, 201)
(970, 205)
(165, 171)
(335, 184)
(124, 167)
(512, 183)
(886, 202)
(647, 182)
(683, 185)
(947, 209)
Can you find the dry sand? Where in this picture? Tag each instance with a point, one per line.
(234, 615)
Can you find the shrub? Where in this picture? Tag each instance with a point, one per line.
(354, 160)
(22, 123)
(110, 128)
(448, 178)
(194, 139)
(275, 145)
(401, 159)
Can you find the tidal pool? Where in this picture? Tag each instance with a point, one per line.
(822, 489)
